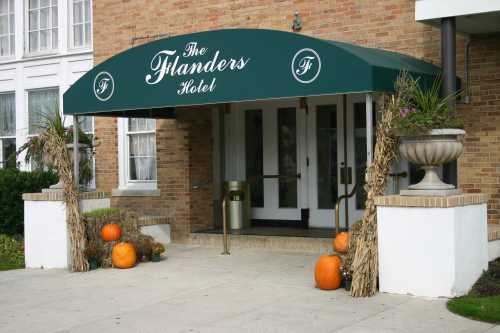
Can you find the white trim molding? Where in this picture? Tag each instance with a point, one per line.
(435, 9)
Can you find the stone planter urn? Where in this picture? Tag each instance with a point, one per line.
(429, 151)
(48, 161)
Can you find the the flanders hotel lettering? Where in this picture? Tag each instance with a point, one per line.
(169, 63)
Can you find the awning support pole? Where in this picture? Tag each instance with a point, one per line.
(344, 164)
(369, 129)
(76, 162)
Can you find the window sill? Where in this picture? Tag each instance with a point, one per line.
(46, 56)
(41, 54)
(118, 192)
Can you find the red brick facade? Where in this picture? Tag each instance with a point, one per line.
(184, 148)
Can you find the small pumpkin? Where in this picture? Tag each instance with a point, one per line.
(111, 232)
(123, 255)
(327, 272)
(341, 242)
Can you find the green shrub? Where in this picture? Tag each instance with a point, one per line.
(489, 282)
(11, 252)
(13, 183)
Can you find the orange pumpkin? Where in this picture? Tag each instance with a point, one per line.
(327, 272)
(123, 255)
(341, 242)
(111, 232)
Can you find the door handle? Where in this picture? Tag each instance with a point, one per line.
(346, 171)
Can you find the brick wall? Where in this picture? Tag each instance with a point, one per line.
(184, 160)
(479, 167)
(106, 154)
(184, 147)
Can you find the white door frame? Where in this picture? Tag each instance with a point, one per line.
(271, 209)
(322, 218)
(355, 214)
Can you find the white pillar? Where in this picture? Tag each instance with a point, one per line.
(429, 247)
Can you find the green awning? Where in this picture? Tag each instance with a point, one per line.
(230, 66)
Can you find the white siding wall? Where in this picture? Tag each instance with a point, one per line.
(23, 72)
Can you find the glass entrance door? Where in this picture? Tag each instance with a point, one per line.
(336, 144)
(274, 158)
(325, 145)
(295, 160)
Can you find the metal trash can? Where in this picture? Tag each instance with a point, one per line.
(238, 209)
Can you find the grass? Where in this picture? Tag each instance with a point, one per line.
(478, 308)
(483, 301)
(102, 212)
(9, 266)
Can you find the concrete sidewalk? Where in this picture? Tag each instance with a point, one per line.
(198, 290)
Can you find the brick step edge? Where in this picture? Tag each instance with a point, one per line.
(321, 246)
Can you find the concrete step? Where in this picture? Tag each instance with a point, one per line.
(279, 243)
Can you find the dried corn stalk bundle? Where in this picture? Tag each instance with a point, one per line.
(55, 147)
(364, 251)
(354, 232)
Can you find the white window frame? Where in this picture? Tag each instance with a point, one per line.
(71, 27)
(51, 50)
(10, 34)
(2, 137)
(125, 183)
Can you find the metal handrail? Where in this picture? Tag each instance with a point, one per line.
(337, 208)
(225, 236)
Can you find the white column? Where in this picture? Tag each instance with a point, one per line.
(369, 129)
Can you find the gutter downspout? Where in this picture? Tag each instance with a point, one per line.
(466, 96)
(449, 56)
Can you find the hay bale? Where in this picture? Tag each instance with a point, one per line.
(128, 222)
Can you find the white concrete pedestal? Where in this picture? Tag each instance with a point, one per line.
(431, 246)
(45, 228)
(157, 227)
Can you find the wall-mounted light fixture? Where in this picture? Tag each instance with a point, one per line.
(297, 22)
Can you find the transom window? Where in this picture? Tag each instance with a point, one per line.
(141, 139)
(7, 28)
(42, 25)
(81, 23)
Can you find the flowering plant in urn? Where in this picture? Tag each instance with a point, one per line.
(430, 132)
